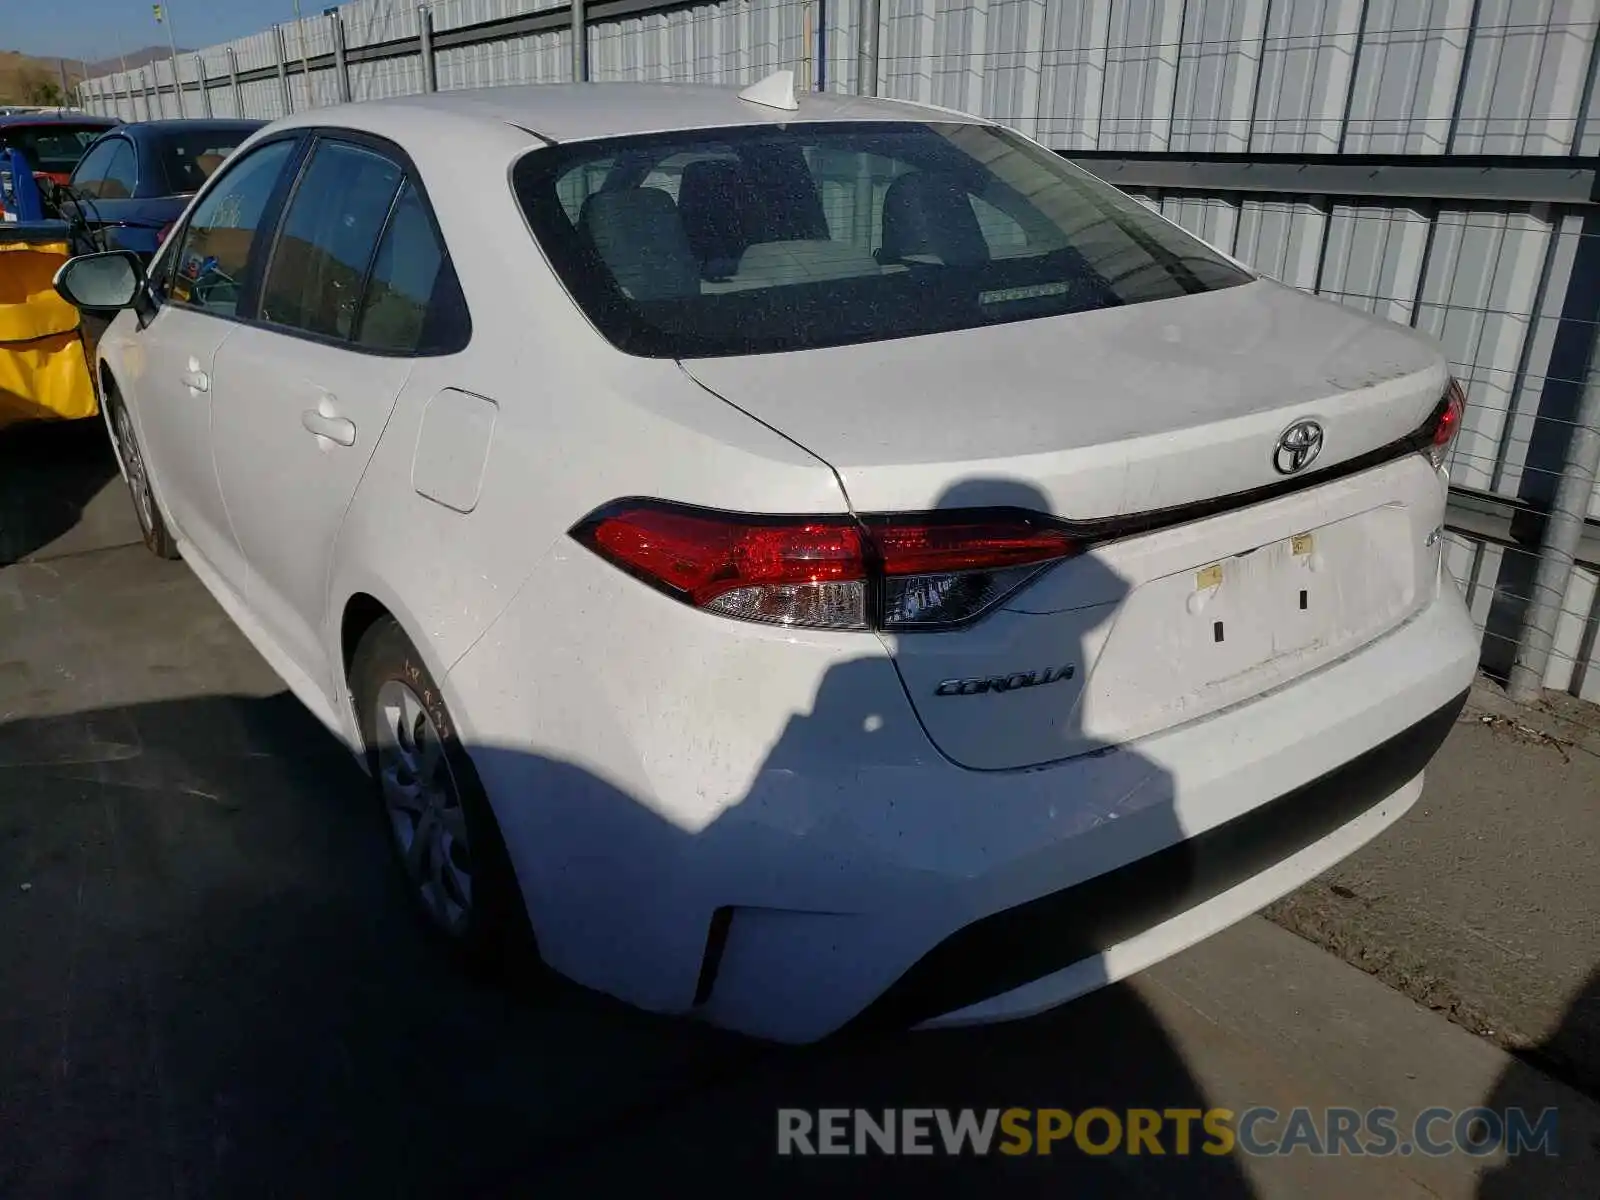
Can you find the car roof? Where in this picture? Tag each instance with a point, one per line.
(145, 129)
(57, 118)
(571, 112)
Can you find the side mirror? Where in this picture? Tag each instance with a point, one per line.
(101, 283)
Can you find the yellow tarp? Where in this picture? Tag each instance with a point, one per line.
(43, 371)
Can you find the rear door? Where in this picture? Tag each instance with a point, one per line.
(311, 382)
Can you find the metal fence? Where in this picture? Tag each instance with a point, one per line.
(1431, 161)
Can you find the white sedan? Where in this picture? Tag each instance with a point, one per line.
(807, 563)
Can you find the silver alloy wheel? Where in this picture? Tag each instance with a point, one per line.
(133, 463)
(423, 805)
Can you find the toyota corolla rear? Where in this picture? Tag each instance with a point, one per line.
(1125, 614)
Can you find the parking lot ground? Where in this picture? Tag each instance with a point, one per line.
(60, 492)
(207, 982)
(211, 986)
(1253, 1017)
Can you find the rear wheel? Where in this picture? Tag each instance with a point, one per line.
(157, 538)
(438, 820)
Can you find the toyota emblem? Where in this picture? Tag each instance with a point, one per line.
(1298, 447)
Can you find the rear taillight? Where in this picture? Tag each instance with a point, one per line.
(1445, 424)
(943, 570)
(804, 571)
(904, 572)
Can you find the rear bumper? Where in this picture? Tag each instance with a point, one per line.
(1031, 957)
(770, 841)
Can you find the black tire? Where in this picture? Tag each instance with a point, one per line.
(157, 537)
(495, 938)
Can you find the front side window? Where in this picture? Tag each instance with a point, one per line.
(764, 239)
(330, 233)
(209, 267)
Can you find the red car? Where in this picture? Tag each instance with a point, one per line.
(52, 141)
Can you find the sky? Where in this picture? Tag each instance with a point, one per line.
(100, 29)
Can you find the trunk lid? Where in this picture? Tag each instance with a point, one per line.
(1110, 412)
(1119, 412)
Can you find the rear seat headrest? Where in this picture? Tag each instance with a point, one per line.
(716, 200)
(930, 213)
(639, 236)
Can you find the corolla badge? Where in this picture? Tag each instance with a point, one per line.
(1298, 447)
(1004, 683)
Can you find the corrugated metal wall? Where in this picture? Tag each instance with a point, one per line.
(1280, 76)
(1496, 283)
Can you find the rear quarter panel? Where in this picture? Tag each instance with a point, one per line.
(576, 425)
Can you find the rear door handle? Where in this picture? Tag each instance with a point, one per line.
(196, 380)
(325, 425)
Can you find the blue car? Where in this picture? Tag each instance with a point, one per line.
(137, 179)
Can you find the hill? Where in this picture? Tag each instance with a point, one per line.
(22, 75)
(26, 80)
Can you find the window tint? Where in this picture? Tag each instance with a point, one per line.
(852, 186)
(53, 146)
(768, 239)
(92, 169)
(405, 280)
(1002, 234)
(188, 158)
(211, 262)
(122, 173)
(328, 237)
(577, 185)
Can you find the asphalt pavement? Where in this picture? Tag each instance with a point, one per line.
(210, 984)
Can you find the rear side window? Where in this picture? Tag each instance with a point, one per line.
(89, 173)
(211, 263)
(411, 304)
(122, 173)
(329, 236)
(772, 238)
(188, 159)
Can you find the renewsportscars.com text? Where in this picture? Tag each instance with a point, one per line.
(1255, 1131)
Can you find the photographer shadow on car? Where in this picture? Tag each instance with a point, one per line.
(949, 871)
(242, 959)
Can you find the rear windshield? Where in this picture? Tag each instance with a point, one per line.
(747, 241)
(55, 147)
(188, 158)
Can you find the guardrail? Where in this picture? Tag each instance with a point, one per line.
(1513, 524)
(1478, 177)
